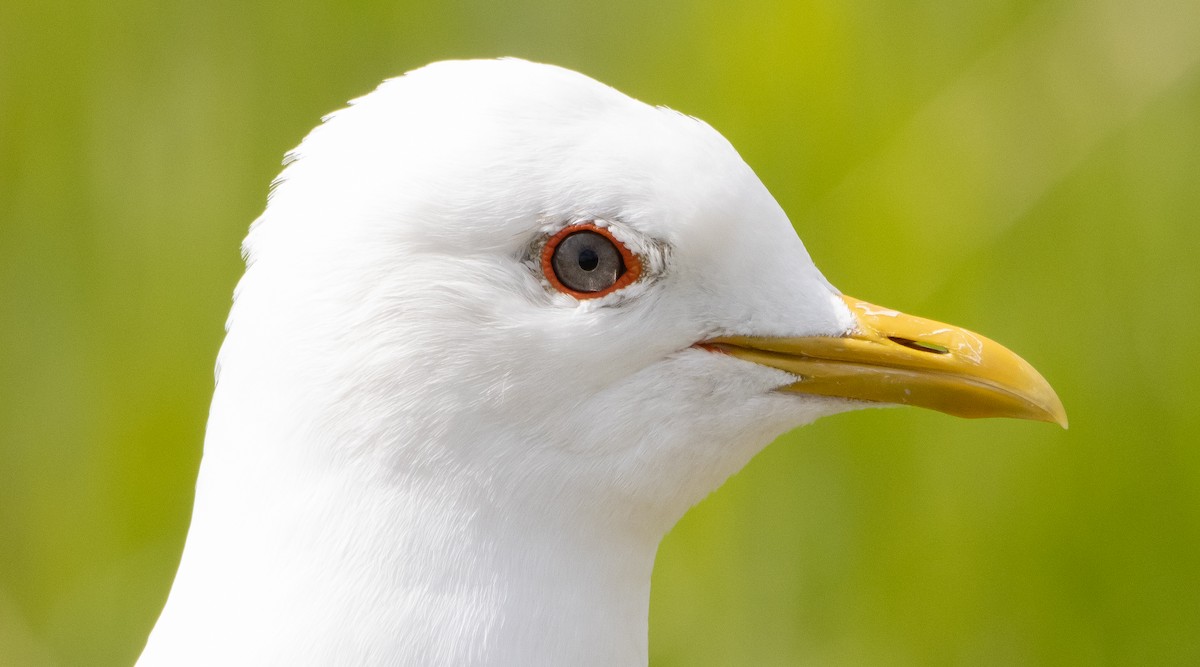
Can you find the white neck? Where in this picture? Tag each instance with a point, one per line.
(307, 558)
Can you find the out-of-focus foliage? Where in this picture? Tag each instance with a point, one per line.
(1027, 169)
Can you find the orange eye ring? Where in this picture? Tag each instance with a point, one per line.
(633, 265)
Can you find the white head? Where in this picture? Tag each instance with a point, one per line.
(398, 269)
(429, 431)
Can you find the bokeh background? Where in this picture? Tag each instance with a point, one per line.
(1028, 169)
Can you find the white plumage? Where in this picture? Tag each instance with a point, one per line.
(420, 452)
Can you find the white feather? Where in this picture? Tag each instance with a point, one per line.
(419, 453)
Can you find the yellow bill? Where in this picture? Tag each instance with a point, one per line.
(895, 358)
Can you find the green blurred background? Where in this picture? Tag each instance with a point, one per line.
(1027, 169)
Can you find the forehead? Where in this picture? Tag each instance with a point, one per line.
(484, 149)
(558, 128)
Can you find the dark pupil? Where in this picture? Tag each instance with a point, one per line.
(588, 259)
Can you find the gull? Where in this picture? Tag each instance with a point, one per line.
(500, 327)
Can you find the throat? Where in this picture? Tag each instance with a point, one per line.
(348, 570)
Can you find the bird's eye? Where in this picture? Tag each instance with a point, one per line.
(587, 262)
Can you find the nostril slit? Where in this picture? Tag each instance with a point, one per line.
(920, 345)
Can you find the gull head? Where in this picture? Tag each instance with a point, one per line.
(500, 327)
(509, 272)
